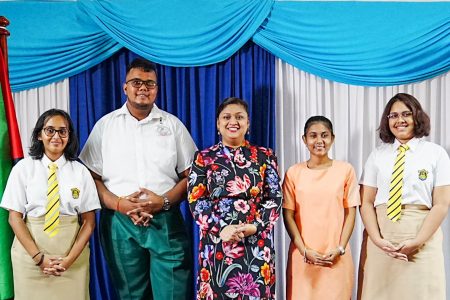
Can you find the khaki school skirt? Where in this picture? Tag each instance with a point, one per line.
(31, 283)
(421, 278)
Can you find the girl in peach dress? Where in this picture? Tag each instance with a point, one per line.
(320, 199)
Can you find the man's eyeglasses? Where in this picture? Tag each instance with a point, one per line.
(137, 83)
(50, 132)
(395, 115)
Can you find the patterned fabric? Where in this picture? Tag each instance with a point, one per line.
(52, 209)
(396, 188)
(231, 186)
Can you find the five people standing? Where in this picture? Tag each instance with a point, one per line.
(142, 159)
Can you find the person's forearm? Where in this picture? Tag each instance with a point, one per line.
(23, 234)
(369, 218)
(108, 199)
(87, 227)
(292, 229)
(178, 192)
(432, 222)
(349, 223)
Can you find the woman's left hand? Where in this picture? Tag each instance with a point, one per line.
(58, 265)
(409, 247)
(332, 255)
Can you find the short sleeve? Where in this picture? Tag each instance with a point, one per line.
(90, 201)
(369, 175)
(289, 190)
(91, 155)
(14, 197)
(351, 189)
(185, 147)
(442, 174)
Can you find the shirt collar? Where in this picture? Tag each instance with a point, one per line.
(60, 162)
(412, 144)
(155, 113)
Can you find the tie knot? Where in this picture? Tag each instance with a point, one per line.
(403, 148)
(53, 166)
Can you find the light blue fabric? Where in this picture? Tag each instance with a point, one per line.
(180, 32)
(361, 43)
(51, 41)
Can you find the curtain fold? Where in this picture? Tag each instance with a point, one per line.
(355, 112)
(361, 43)
(354, 42)
(179, 32)
(192, 94)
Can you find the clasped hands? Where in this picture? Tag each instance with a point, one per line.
(402, 251)
(236, 233)
(140, 206)
(324, 260)
(55, 266)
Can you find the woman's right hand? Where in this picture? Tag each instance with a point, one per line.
(390, 249)
(232, 233)
(317, 258)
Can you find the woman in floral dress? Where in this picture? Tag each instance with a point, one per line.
(235, 198)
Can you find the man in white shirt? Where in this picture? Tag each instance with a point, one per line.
(139, 157)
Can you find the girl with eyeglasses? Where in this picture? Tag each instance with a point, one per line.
(51, 200)
(405, 196)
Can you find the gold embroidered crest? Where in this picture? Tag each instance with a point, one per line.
(75, 193)
(423, 174)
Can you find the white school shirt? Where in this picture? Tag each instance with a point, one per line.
(129, 154)
(426, 165)
(26, 189)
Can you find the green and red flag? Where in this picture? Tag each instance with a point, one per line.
(10, 152)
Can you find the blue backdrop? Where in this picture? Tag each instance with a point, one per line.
(363, 43)
(190, 93)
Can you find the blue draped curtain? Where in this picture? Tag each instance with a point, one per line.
(190, 93)
(363, 43)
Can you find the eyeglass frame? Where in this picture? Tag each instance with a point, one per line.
(150, 84)
(395, 115)
(59, 131)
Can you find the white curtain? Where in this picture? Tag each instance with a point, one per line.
(355, 112)
(30, 104)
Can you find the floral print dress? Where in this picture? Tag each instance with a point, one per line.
(232, 186)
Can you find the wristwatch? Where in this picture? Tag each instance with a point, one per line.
(166, 205)
(341, 250)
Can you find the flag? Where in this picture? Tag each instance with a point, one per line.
(10, 152)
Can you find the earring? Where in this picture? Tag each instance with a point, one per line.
(218, 132)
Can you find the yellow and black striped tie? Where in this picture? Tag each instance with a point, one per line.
(394, 205)
(51, 222)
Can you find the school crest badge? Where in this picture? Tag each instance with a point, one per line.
(75, 193)
(423, 174)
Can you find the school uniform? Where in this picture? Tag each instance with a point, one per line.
(427, 165)
(26, 192)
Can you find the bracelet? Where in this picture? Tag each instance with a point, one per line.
(41, 260)
(118, 203)
(36, 255)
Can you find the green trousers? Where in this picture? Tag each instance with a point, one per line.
(153, 262)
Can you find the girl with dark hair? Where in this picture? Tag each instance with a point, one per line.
(51, 200)
(235, 197)
(320, 199)
(405, 198)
